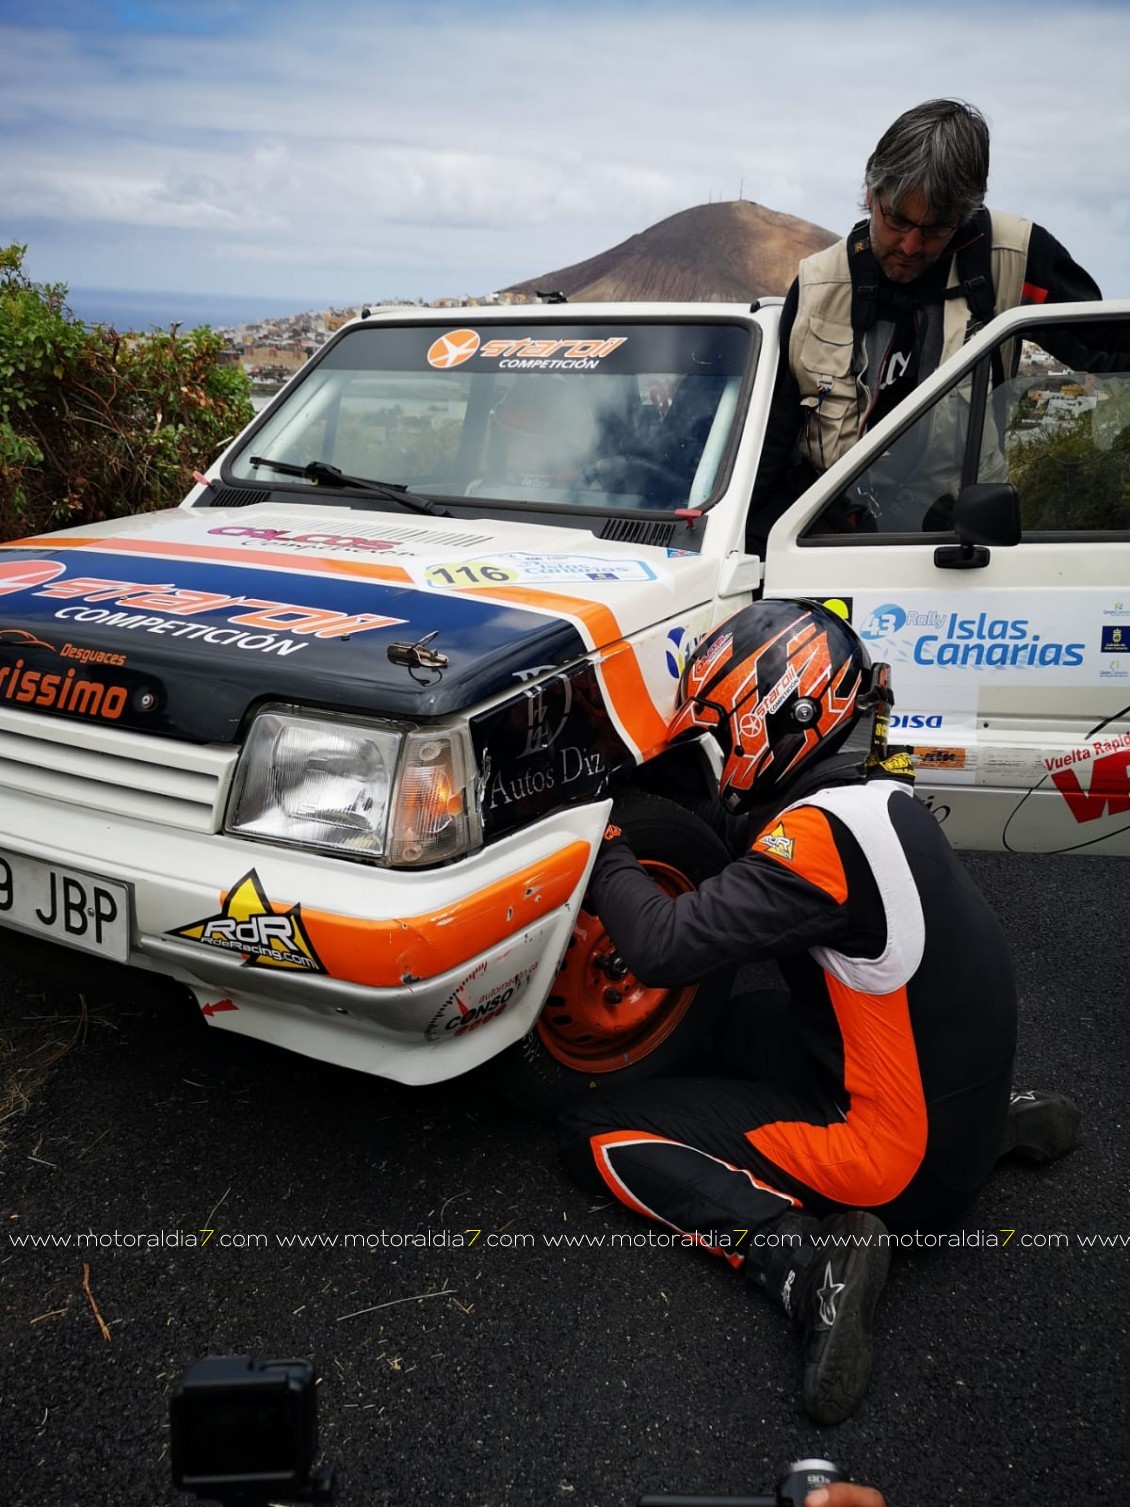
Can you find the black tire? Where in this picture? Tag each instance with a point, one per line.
(587, 1040)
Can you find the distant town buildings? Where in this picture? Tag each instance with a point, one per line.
(272, 350)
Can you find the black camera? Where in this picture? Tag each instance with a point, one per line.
(799, 1479)
(245, 1431)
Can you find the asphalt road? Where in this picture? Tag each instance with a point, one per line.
(524, 1372)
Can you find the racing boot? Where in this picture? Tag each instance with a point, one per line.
(827, 1275)
(1041, 1127)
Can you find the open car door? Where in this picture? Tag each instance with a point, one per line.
(979, 540)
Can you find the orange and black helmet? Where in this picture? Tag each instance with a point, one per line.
(779, 684)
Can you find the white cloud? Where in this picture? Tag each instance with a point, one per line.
(337, 153)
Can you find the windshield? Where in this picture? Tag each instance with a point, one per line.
(595, 416)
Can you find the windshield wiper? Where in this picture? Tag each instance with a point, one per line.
(327, 475)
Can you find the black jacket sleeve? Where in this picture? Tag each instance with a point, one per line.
(1052, 275)
(755, 908)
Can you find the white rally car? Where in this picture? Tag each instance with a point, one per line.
(332, 743)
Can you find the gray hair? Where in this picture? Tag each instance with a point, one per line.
(940, 147)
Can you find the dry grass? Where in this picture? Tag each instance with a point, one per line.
(30, 1047)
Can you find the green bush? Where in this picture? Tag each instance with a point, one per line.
(95, 423)
(1068, 481)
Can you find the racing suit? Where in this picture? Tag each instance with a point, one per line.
(904, 1005)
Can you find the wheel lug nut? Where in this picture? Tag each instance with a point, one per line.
(612, 996)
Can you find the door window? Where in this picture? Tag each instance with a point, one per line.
(1063, 437)
(1058, 429)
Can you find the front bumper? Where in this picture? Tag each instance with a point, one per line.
(417, 977)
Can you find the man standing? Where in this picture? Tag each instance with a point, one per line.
(870, 317)
(883, 1096)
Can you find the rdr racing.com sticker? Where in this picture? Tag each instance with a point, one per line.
(264, 934)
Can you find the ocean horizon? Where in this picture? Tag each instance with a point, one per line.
(146, 309)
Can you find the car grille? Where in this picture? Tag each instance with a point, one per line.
(110, 769)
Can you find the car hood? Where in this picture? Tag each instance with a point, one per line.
(177, 622)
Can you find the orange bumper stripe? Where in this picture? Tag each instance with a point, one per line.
(390, 954)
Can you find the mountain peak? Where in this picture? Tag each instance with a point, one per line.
(730, 252)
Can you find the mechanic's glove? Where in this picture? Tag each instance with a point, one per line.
(613, 839)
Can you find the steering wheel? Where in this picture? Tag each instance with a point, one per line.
(614, 472)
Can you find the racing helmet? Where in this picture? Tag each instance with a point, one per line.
(779, 685)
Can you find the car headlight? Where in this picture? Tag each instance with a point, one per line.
(393, 794)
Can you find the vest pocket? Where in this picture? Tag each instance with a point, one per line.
(825, 352)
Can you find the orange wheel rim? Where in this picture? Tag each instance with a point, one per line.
(599, 1018)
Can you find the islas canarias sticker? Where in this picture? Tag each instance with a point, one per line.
(266, 935)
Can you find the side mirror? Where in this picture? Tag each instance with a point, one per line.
(984, 513)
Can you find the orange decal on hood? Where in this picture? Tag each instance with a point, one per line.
(619, 668)
(259, 560)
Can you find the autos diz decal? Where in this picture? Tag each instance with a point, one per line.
(265, 935)
(543, 725)
(569, 766)
(476, 1000)
(526, 353)
(552, 744)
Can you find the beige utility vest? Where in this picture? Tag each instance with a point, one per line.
(835, 400)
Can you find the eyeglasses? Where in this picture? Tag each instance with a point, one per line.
(902, 226)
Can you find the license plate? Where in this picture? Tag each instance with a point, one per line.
(76, 909)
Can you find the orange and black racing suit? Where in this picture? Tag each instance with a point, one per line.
(901, 991)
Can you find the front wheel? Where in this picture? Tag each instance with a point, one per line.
(600, 1026)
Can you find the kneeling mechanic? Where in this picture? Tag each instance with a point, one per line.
(880, 1098)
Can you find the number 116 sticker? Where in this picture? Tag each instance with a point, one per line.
(473, 573)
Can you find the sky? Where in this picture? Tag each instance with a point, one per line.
(359, 150)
